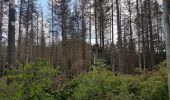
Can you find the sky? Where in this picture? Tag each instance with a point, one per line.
(44, 5)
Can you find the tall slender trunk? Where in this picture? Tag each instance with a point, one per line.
(139, 34)
(11, 33)
(143, 38)
(95, 55)
(96, 35)
(52, 29)
(131, 37)
(152, 63)
(1, 19)
(90, 24)
(37, 36)
(112, 42)
(64, 37)
(166, 6)
(102, 29)
(119, 36)
(32, 45)
(20, 32)
(42, 37)
(27, 35)
(83, 42)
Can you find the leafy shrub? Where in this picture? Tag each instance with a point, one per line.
(33, 82)
(29, 82)
(102, 84)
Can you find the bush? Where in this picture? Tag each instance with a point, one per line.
(102, 84)
(29, 82)
(33, 82)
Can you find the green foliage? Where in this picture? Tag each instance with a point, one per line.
(101, 63)
(102, 84)
(33, 82)
(28, 82)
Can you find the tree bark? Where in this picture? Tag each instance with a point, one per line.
(119, 36)
(95, 11)
(131, 36)
(20, 32)
(112, 42)
(1, 19)
(37, 55)
(152, 63)
(11, 33)
(139, 34)
(166, 7)
(27, 35)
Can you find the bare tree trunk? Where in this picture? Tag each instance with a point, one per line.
(151, 37)
(1, 19)
(143, 38)
(119, 36)
(131, 37)
(32, 45)
(27, 36)
(139, 34)
(83, 43)
(20, 33)
(37, 36)
(166, 5)
(42, 37)
(96, 35)
(90, 23)
(11, 33)
(95, 54)
(112, 43)
(52, 26)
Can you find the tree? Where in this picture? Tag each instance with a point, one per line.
(119, 36)
(11, 33)
(166, 5)
(138, 32)
(42, 37)
(131, 35)
(29, 13)
(90, 22)
(62, 12)
(151, 36)
(83, 4)
(37, 35)
(1, 20)
(19, 54)
(112, 38)
(95, 13)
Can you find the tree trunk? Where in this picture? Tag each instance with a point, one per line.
(166, 6)
(96, 37)
(11, 33)
(52, 29)
(1, 19)
(143, 38)
(119, 36)
(27, 36)
(112, 42)
(131, 37)
(152, 63)
(20, 32)
(90, 24)
(139, 34)
(42, 37)
(83, 43)
(37, 36)
(32, 45)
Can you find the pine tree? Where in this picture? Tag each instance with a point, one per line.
(11, 33)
